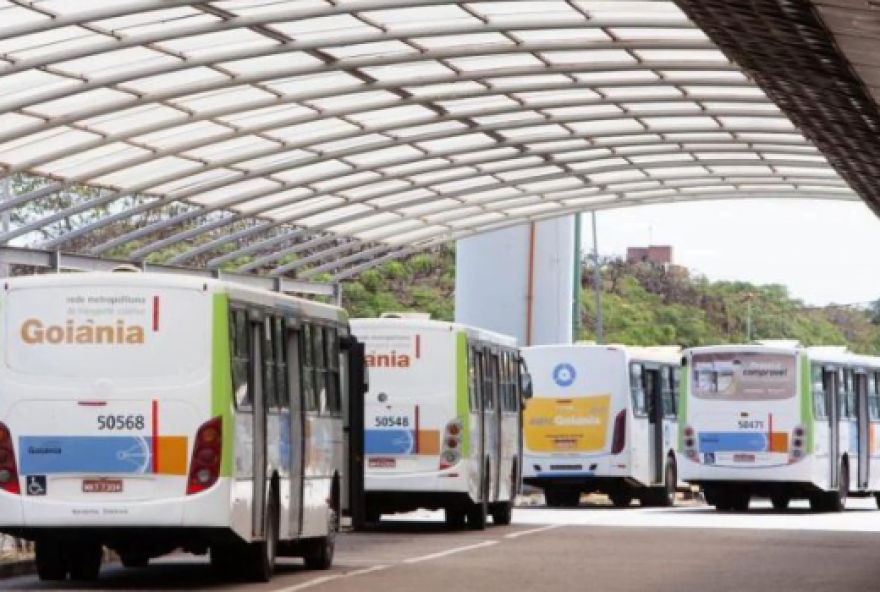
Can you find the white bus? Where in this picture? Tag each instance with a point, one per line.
(147, 413)
(603, 420)
(443, 425)
(781, 421)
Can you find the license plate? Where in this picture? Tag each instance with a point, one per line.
(744, 458)
(382, 463)
(102, 486)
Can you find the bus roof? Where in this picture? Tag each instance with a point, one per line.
(235, 290)
(422, 324)
(667, 354)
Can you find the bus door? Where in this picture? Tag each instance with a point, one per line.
(258, 337)
(481, 396)
(490, 422)
(863, 427)
(832, 377)
(356, 385)
(297, 428)
(654, 402)
(497, 429)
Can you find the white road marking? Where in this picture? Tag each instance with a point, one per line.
(516, 535)
(325, 579)
(449, 552)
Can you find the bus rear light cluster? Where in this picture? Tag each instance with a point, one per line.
(618, 440)
(452, 437)
(798, 445)
(690, 444)
(8, 469)
(204, 469)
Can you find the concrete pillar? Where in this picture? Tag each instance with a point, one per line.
(519, 281)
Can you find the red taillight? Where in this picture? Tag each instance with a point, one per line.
(204, 468)
(619, 439)
(8, 469)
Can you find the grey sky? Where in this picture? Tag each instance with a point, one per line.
(823, 251)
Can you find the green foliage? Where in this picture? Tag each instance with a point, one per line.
(644, 304)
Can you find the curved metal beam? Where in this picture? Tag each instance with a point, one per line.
(526, 179)
(428, 243)
(392, 231)
(257, 194)
(620, 141)
(145, 186)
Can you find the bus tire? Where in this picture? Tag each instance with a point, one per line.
(723, 500)
(455, 517)
(259, 564)
(877, 500)
(477, 515)
(835, 501)
(84, 561)
(621, 499)
(780, 501)
(134, 560)
(554, 497)
(670, 482)
(319, 552)
(740, 500)
(50, 560)
(502, 513)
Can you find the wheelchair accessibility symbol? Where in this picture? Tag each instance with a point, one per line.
(36, 485)
(564, 375)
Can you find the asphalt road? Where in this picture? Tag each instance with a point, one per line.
(591, 548)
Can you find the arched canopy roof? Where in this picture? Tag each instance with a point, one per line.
(349, 132)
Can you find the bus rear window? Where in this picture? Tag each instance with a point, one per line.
(743, 376)
(106, 332)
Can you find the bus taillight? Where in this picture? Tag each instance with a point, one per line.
(798, 445)
(451, 452)
(8, 468)
(690, 444)
(619, 439)
(204, 468)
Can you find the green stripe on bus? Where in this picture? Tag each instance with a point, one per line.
(683, 395)
(221, 379)
(807, 419)
(461, 391)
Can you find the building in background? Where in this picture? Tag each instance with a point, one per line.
(658, 255)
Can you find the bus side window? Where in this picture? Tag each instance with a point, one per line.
(320, 368)
(512, 380)
(268, 361)
(280, 337)
(820, 397)
(504, 381)
(308, 369)
(241, 358)
(637, 388)
(331, 340)
(666, 392)
(676, 390)
(473, 380)
(874, 396)
(490, 380)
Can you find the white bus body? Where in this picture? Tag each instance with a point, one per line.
(442, 419)
(603, 419)
(150, 412)
(781, 422)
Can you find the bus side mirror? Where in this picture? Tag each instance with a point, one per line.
(527, 390)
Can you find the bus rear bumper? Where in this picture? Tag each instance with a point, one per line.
(698, 474)
(209, 509)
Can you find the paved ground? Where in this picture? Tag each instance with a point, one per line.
(592, 548)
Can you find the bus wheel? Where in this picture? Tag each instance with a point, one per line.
(50, 560)
(877, 499)
(836, 500)
(319, 554)
(723, 501)
(134, 560)
(455, 517)
(740, 500)
(260, 558)
(554, 497)
(502, 513)
(780, 501)
(670, 482)
(84, 561)
(621, 499)
(477, 515)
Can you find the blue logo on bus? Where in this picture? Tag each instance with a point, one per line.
(564, 375)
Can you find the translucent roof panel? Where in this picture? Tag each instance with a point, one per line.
(347, 132)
